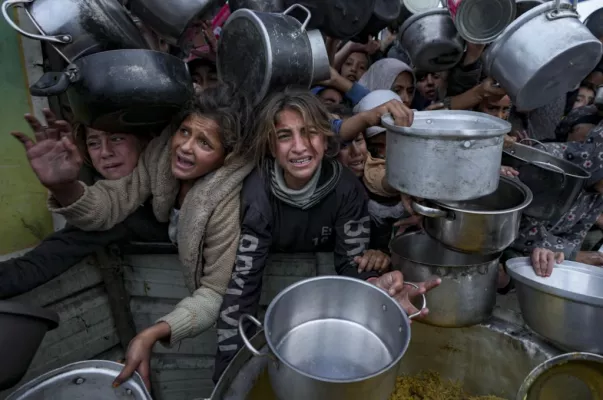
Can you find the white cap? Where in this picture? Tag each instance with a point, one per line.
(372, 100)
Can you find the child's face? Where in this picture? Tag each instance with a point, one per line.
(376, 145)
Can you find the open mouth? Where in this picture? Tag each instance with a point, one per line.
(351, 78)
(301, 162)
(112, 167)
(184, 163)
(357, 165)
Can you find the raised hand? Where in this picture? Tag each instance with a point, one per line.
(53, 156)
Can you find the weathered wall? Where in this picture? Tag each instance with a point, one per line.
(25, 219)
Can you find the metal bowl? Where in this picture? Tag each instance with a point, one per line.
(22, 329)
(565, 308)
(568, 376)
(432, 41)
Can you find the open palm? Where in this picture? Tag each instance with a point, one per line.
(53, 156)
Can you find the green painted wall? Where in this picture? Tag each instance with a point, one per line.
(24, 219)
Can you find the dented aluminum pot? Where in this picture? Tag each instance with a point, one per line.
(467, 294)
(261, 52)
(481, 21)
(445, 155)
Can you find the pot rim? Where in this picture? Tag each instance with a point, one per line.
(51, 318)
(460, 26)
(416, 17)
(491, 257)
(386, 297)
(516, 263)
(491, 53)
(586, 175)
(502, 127)
(551, 363)
(528, 197)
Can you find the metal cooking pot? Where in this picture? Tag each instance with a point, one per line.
(432, 41)
(384, 13)
(76, 28)
(481, 21)
(567, 376)
(555, 183)
(273, 6)
(90, 380)
(333, 337)
(339, 19)
(261, 52)
(599, 98)
(445, 155)
(23, 328)
(561, 52)
(137, 91)
(412, 7)
(484, 225)
(467, 294)
(170, 19)
(565, 308)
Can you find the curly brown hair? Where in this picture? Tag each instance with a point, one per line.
(311, 109)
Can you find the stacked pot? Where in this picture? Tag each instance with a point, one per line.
(471, 214)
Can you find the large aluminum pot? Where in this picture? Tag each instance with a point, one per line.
(432, 41)
(509, 352)
(77, 28)
(555, 183)
(484, 225)
(90, 380)
(171, 19)
(566, 376)
(481, 21)
(562, 53)
(467, 294)
(22, 329)
(333, 337)
(445, 155)
(261, 52)
(565, 308)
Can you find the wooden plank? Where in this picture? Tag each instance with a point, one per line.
(80, 277)
(154, 261)
(111, 270)
(154, 282)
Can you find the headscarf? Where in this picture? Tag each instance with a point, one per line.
(382, 74)
(581, 115)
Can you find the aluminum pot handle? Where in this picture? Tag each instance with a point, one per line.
(248, 344)
(532, 140)
(424, 306)
(61, 39)
(307, 21)
(428, 211)
(546, 165)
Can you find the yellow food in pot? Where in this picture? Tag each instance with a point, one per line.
(429, 386)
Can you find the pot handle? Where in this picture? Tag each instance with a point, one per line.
(294, 6)
(424, 306)
(51, 84)
(61, 39)
(248, 344)
(428, 211)
(547, 165)
(532, 140)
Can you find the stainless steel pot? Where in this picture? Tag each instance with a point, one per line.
(567, 376)
(170, 19)
(565, 308)
(485, 225)
(76, 28)
(22, 329)
(562, 53)
(445, 155)
(91, 380)
(333, 337)
(260, 52)
(555, 183)
(467, 294)
(432, 41)
(481, 21)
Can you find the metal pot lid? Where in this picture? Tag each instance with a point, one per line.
(569, 280)
(420, 6)
(482, 21)
(89, 380)
(12, 307)
(568, 376)
(450, 124)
